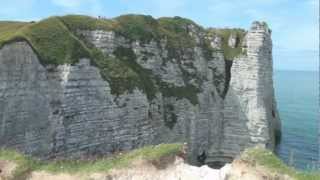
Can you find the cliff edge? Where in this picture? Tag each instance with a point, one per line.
(75, 86)
(164, 161)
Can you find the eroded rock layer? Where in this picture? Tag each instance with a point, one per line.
(218, 105)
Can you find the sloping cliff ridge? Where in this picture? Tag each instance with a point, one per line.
(76, 85)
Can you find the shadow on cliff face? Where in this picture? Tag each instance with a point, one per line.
(234, 131)
(213, 155)
(228, 65)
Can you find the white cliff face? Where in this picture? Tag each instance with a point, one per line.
(250, 113)
(69, 109)
(66, 111)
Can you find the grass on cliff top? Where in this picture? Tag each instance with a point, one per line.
(139, 27)
(8, 29)
(56, 42)
(229, 53)
(50, 39)
(267, 159)
(27, 164)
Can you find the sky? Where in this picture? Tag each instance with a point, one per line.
(294, 23)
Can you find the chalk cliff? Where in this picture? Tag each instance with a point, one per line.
(215, 94)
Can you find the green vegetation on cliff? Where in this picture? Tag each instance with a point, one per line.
(26, 165)
(56, 40)
(137, 27)
(120, 76)
(265, 158)
(229, 52)
(144, 80)
(8, 30)
(56, 44)
(50, 39)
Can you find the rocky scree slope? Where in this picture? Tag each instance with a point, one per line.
(75, 85)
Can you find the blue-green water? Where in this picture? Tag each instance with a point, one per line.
(297, 96)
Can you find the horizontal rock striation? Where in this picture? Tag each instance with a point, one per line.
(218, 106)
(250, 112)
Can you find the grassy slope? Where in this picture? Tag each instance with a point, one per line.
(8, 29)
(148, 153)
(50, 38)
(267, 159)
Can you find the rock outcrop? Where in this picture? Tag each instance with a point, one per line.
(218, 106)
(250, 112)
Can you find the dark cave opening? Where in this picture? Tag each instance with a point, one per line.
(219, 162)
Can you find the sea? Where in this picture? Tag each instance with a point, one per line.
(297, 96)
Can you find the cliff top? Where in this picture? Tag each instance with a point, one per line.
(56, 41)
